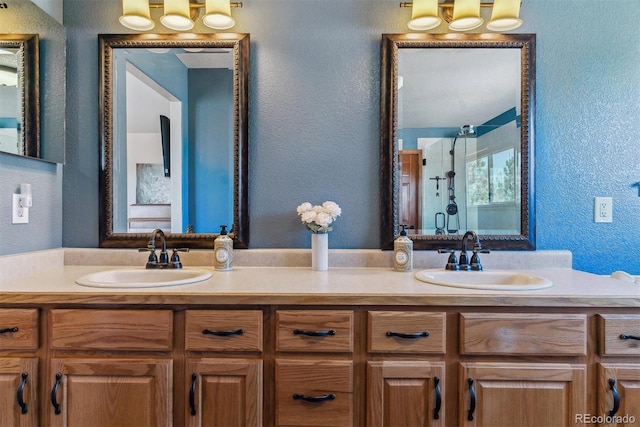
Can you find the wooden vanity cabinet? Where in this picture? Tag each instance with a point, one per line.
(318, 365)
(19, 376)
(111, 391)
(619, 393)
(224, 390)
(521, 394)
(402, 390)
(314, 374)
(619, 369)
(516, 392)
(111, 367)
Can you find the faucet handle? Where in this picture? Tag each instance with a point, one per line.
(175, 258)
(452, 262)
(153, 258)
(475, 259)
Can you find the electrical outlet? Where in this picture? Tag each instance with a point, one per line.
(603, 209)
(20, 215)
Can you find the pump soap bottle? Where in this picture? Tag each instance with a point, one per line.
(403, 252)
(223, 250)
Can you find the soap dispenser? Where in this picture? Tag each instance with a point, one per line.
(223, 250)
(403, 252)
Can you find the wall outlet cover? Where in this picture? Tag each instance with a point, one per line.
(603, 209)
(19, 214)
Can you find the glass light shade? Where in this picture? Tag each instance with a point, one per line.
(218, 15)
(8, 78)
(136, 15)
(424, 15)
(505, 15)
(466, 15)
(177, 15)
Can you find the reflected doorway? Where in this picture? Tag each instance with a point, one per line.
(410, 164)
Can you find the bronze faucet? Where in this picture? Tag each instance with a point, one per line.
(464, 263)
(163, 260)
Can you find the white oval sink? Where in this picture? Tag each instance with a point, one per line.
(143, 278)
(498, 280)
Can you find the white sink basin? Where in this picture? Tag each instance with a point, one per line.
(498, 280)
(143, 278)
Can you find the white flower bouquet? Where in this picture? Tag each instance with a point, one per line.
(319, 218)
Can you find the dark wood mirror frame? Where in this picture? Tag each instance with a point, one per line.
(28, 62)
(240, 45)
(389, 186)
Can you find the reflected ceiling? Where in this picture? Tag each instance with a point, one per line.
(477, 100)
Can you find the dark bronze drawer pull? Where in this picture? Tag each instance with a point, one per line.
(223, 333)
(54, 394)
(616, 397)
(20, 394)
(408, 336)
(5, 330)
(629, 337)
(314, 399)
(472, 400)
(330, 332)
(192, 394)
(436, 410)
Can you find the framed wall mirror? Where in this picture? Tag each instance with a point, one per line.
(19, 94)
(457, 139)
(174, 138)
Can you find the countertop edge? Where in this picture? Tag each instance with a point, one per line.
(261, 286)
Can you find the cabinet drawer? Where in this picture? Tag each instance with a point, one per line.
(523, 334)
(314, 393)
(406, 332)
(619, 334)
(223, 330)
(19, 329)
(80, 329)
(314, 330)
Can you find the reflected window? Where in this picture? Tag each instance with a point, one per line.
(494, 178)
(478, 181)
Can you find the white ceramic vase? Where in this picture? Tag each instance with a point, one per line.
(319, 251)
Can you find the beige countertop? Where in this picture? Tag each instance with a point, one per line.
(302, 286)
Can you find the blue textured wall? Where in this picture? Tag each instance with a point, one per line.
(314, 111)
(587, 139)
(44, 230)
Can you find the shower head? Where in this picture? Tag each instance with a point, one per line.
(466, 130)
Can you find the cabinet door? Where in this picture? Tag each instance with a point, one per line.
(224, 392)
(405, 393)
(18, 391)
(619, 393)
(522, 394)
(105, 392)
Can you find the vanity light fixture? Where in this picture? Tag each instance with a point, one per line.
(136, 15)
(463, 15)
(466, 15)
(505, 15)
(218, 14)
(424, 15)
(178, 15)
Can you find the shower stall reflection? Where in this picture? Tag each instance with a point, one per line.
(467, 180)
